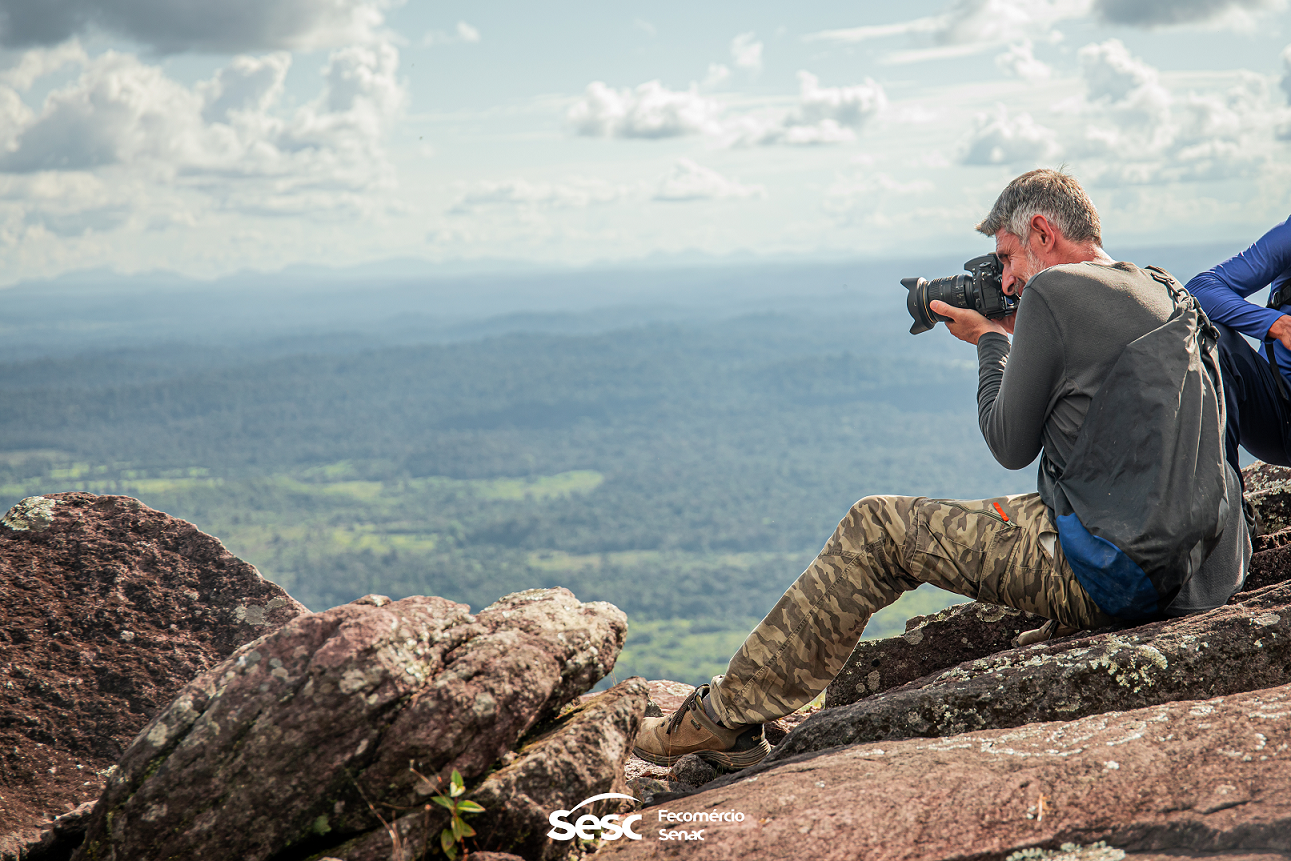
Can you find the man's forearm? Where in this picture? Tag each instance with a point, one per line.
(1006, 432)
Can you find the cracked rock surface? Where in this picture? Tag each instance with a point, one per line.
(561, 763)
(1240, 647)
(960, 633)
(286, 749)
(110, 607)
(1187, 779)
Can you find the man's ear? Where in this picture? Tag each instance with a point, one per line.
(1044, 233)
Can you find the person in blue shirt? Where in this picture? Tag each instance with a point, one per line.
(1257, 388)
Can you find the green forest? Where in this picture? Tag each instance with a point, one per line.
(685, 471)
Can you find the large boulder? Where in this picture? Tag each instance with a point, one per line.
(1184, 779)
(1241, 647)
(109, 609)
(579, 755)
(963, 632)
(325, 730)
(1268, 490)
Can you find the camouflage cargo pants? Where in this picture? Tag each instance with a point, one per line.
(1002, 551)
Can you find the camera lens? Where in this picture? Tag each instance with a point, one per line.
(951, 290)
(982, 291)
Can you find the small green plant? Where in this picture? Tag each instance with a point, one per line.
(457, 830)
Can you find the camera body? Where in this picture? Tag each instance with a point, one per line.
(982, 290)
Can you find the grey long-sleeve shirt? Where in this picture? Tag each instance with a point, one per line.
(1072, 324)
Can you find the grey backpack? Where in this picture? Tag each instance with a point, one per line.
(1142, 500)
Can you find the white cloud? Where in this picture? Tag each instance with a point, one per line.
(1020, 61)
(1137, 131)
(997, 138)
(746, 52)
(65, 204)
(1000, 21)
(247, 84)
(1113, 76)
(524, 195)
(718, 74)
(863, 198)
(119, 110)
(39, 62)
(877, 31)
(1155, 13)
(966, 25)
(169, 26)
(649, 111)
(462, 33)
(228, 139)
(824, 115)
(873, 183)
(849, 106)
(14, 116)
(690, 181)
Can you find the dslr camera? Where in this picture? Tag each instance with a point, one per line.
(982, 289)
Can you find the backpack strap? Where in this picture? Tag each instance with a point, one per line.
(1183, 299)
(1279, 297)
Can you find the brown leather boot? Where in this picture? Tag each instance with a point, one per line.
(1050, 630)
(689, 729)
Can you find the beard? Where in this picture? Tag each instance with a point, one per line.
(1034, 265)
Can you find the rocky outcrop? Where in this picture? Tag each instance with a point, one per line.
(1241, 647)
(110, 608)
(1188, 779)
(1268, 490)
(580, 755)
(331, 736)
(583, 755)
(308, 739)
(957, 634)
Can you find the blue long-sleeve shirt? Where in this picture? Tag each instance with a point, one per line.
(1222, 290)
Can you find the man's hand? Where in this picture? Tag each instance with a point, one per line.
(1281, 329)
(969, 326)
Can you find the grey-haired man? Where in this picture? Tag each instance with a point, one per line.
(1079, 311)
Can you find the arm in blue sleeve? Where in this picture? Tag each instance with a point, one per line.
(1222, 290)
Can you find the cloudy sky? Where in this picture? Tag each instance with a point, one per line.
(207, 138)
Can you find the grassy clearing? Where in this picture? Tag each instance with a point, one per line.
(540, 487)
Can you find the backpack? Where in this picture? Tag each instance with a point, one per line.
(1143, 500)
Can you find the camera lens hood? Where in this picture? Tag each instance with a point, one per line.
(916, 303)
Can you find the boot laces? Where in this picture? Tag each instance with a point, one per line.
(690, 702)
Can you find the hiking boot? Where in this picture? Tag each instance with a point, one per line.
(1048, 631)
(689, 729)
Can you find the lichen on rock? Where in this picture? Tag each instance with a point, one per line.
(35, 513)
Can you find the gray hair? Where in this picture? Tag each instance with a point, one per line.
(1052, 193)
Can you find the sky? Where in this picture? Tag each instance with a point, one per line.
(209, 138)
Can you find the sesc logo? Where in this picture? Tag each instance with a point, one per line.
(587, 827)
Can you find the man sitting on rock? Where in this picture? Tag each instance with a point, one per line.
(1079, 312)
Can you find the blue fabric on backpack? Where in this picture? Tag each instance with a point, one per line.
(1115, 581)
